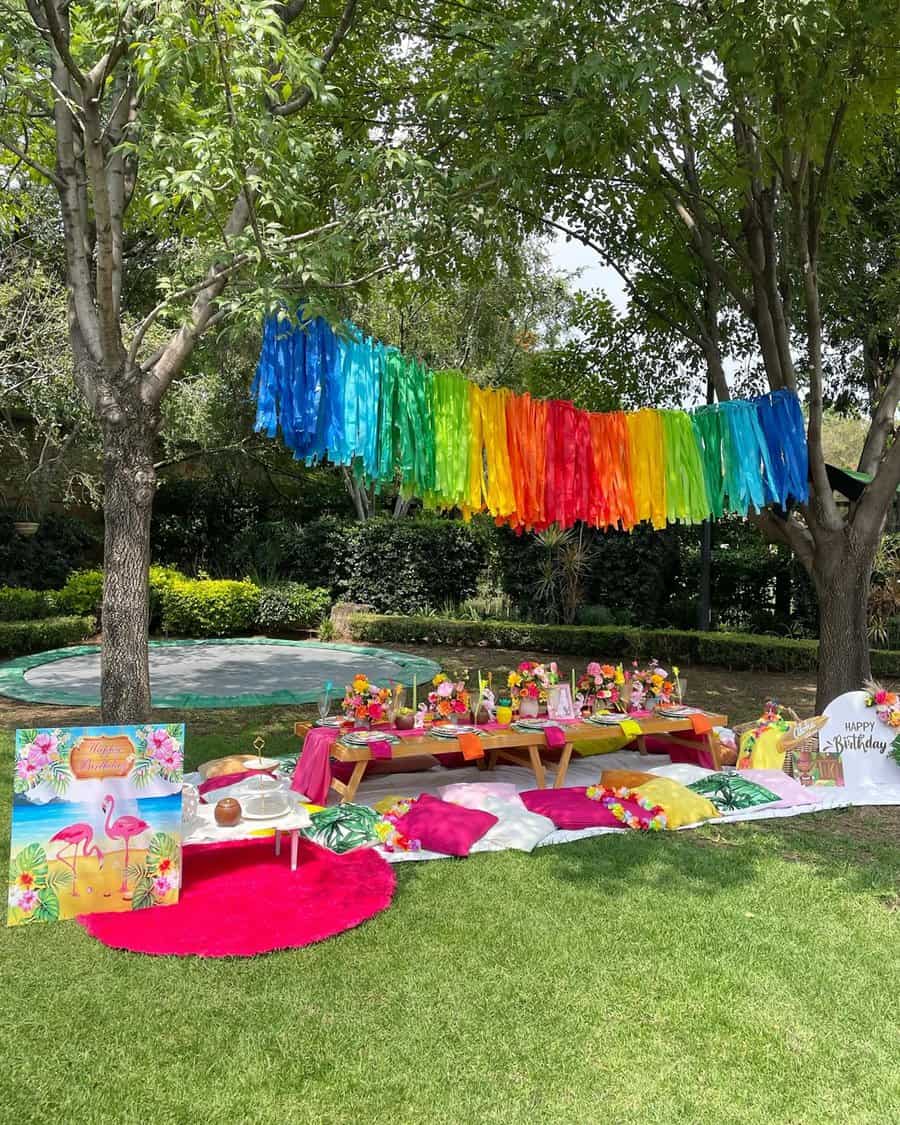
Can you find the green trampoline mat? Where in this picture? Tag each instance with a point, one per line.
(243, 672)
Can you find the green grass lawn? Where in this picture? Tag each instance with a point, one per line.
(745, 973)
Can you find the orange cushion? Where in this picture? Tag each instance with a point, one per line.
(624, 779)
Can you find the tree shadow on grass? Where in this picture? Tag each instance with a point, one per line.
(857, 848)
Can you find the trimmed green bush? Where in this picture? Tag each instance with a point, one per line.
(18, 638)
(738, 651)
(19, 604)
(209, 607)
(82, 593)
(409, 564)
(291, 605)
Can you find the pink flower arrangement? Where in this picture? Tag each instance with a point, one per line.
(450, 697)
(363, 700)
(531, 680)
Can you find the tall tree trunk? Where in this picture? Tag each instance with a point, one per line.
(129, 483)
(842, 570)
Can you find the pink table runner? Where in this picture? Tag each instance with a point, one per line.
(312, 774)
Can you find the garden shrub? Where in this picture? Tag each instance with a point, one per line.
(292, 605)
(209, 607)
(18, 638)
(737, 651)
(412, 564)
(161, 578)
(82, 593)
(19, 604)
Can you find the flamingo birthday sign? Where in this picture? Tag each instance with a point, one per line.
(96, 822)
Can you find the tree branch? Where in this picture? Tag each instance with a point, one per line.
(60, 37)
(882, 423)
(340, 32)
(217, 275)
(34, 165)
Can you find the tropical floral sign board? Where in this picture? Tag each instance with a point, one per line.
(96, 821)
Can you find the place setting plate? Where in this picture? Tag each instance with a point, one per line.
(451, 730)
(364, 737)
(611, 720)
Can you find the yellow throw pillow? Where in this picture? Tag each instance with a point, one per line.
(680, 804)
(589, 747)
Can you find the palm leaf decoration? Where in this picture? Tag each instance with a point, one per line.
(163, 846)
(60, 776)
(32, 859)
(142, 897)
(47, 909)
(60, 879)
(141, 771)
(344, 827)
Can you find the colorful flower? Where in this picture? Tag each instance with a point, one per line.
(26, 769)
(28, 900)
(162, 884)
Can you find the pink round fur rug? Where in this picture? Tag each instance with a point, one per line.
(239, 899)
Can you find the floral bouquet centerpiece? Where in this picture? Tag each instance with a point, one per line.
(364, 702)
(530, 683)
(604, 686)
(651, 685)
(449, 699)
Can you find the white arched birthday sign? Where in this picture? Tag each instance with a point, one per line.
(856, 751)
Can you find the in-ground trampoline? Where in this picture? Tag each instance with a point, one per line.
(243, 672)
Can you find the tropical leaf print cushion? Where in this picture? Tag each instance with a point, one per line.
(344, 827)
(733, 793)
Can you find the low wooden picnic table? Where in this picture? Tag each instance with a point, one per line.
(522, 748)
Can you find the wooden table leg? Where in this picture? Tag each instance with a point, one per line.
(564, 760)
(295, 841)
(492, 759)
(712, 744)
(356, 777)
(534, 753)
(642, 746)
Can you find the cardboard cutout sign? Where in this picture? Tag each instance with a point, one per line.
(860, 742)
(96, 821)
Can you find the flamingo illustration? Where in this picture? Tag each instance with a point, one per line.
(123, 828)
(71, 836)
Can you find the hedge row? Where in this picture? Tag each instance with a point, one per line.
(222, 607)
(17, 638)
(17, 604)
(737, 651)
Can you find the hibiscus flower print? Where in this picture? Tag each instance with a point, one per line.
(26, 769)
(28, 900)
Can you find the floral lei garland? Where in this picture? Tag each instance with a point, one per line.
(612, 799)
(386, 830)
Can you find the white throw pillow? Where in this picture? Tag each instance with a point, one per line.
(682, 772)
(516, 827)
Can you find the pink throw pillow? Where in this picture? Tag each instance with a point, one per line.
(445, 828)
(787, 788)
(570, 808)
(472, 794)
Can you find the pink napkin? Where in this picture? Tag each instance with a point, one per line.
(312, 774)
(381, 748)
(226, 779)
(555, 737)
